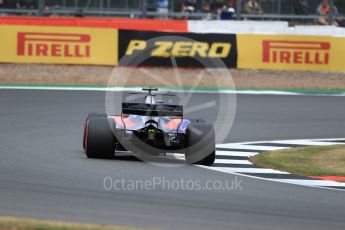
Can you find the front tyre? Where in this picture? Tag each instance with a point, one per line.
(201, 144)
(99, 139)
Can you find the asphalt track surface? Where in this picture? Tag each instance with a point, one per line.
(44, 173)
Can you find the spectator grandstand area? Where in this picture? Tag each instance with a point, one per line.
(293, 11)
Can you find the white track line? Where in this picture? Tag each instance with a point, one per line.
(115, 89)
(248, 147)
(234, 153)
(323, 183)
(123, 89)
(305, 142)
(225, 161)
(244, 170)
(291, 141)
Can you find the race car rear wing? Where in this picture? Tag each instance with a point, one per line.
(143, 109)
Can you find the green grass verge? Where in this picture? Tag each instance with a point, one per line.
(12, 223)
(306, 161)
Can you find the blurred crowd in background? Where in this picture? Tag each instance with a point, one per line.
(328, 11)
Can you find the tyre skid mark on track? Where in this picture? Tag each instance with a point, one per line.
(233, 158)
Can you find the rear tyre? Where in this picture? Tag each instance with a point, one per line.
(88, 116)
(99, 139)
(201, 144)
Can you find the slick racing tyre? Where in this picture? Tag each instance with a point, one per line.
(99, 141)
(201, 144)
(88, 116)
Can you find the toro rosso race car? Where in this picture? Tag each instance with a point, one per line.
(151, 128)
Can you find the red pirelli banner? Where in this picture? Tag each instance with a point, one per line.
(58, 45)
(287, 52)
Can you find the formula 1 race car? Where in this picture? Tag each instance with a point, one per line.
(150, 128)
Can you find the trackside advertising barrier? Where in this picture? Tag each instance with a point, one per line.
(109, 46)
(186, 49)
(58, 45)
(288, 52)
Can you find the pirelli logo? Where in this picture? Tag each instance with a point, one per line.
(53, 45)
(296, 52)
